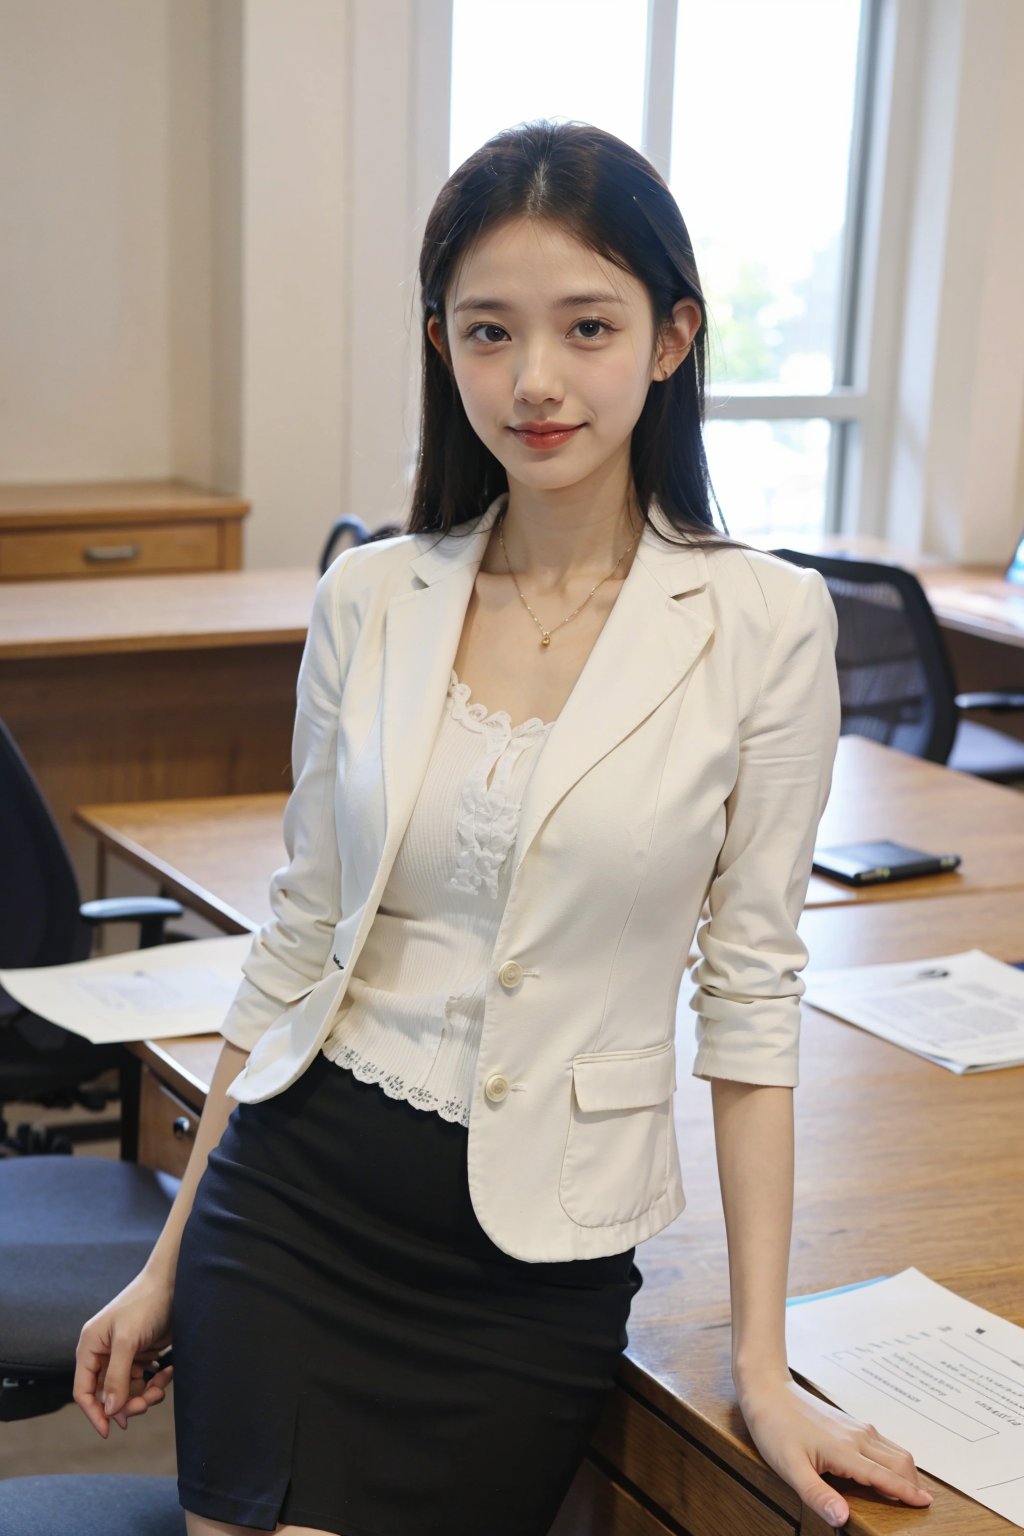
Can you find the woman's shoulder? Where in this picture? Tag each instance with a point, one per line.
(357, 572)
(742, 573)
(753, 591)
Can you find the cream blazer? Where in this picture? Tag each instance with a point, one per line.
(690, 764)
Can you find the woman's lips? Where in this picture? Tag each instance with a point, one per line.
(542, 440)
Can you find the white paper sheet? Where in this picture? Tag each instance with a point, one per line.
(935, 1373)
(145, 994)
(965, 1011)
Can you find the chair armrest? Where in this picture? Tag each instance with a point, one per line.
(1001, 700)
(150, 912)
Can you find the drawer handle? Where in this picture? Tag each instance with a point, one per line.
(110, 553)
(182, 1127)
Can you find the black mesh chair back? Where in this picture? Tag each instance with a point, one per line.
(39, 899)
(40, 924)
(896, 682)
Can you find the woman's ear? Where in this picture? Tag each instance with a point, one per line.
(677, 338)
(436, 332)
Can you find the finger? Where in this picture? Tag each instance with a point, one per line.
(820, 1497)
(119, 1371)
(897, 1459)
(147, 1397)
(872, 1473)
(90, 1363)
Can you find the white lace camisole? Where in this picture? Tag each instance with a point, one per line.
(412, 1014)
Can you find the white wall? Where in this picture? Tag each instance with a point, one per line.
(84, 301)
(295, 72)
(957, 423)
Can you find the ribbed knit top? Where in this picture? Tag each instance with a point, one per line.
(412, 1014)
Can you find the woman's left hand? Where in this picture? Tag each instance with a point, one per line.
(801, 1437)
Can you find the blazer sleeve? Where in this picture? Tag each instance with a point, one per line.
(748, 990)
(289, 952)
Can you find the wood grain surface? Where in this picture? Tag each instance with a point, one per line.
(67, 503)
(207, 610)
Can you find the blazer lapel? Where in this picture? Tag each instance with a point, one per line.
(422, 629)
(648, 645)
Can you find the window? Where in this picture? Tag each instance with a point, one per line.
(513, 60)
(761, 131)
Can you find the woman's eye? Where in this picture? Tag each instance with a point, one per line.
(485, 325)
(594, 334)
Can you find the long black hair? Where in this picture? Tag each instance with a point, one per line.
(612, 199)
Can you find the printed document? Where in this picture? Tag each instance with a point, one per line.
(965, 1011)
(935, 1373)
(145, 994)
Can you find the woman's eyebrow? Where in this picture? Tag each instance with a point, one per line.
(571, 301)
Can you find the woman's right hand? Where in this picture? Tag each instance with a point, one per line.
(114, 1349)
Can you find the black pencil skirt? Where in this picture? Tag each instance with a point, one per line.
(353, 1353)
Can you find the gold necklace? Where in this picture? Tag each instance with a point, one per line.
(545, 634)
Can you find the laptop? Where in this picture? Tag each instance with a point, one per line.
(1015, 570)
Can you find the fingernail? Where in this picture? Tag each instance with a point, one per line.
(108, 1402)
(833, 1512)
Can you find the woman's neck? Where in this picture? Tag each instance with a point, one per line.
(551, 547)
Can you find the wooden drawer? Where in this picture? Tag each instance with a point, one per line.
(596, 1506)
(167, 1126)
(110, 550)
(677, 1477)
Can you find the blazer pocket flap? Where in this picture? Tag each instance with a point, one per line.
(625, 1079)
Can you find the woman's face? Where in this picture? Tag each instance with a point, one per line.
(543, 331)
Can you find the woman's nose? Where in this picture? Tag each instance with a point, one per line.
(538, 376)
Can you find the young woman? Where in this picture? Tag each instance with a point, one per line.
(535, 734)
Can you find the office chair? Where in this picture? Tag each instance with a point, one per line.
(75, 1231)
(360, 535)
(896, 680)
(42, 922)
(91, 1505)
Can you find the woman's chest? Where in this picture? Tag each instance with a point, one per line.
(501, 658)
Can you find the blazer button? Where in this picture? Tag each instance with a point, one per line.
(510, 974)
(496, 1088)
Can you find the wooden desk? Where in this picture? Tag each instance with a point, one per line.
(217, 855)
(117, 527)
(898, 1163)
(143, 687)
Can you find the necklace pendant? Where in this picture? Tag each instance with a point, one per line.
(545, 638)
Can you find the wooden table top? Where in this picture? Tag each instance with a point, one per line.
(899, 1163)
(218, 855)
(196, 611)
(878, 793)
(978, 602)
(67, 503)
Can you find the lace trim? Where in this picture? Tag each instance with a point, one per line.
(452, 1110)
(488, 818)
(498, 721)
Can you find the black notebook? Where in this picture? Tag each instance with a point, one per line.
(874, 862)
